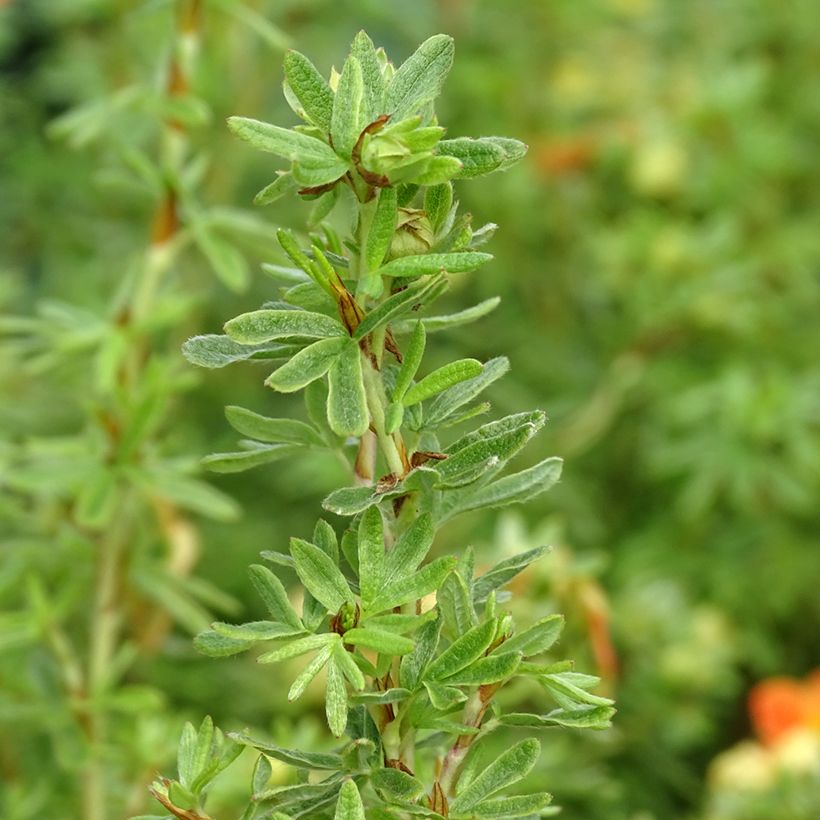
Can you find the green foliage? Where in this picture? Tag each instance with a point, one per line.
(417, 647)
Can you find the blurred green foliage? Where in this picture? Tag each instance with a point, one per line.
(660, 297)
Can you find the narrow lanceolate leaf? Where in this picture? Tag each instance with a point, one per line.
(379, 640)
(516, 488)
(215, 350)
(321, 577)
(523, 805)
(283, 184)
(397, 785)
(349, 805)
(477, 156)
(438, 170)
(394, 695)
(413, 666)
(246, 459)
(310, 88)
(438, 199)
(256, 630)
(420, 78)
(214, 645)
(293, 757)
(455, 602)
(381, 229)
(403, 590)
(432, 324)
(463, 651)
(458, 395)
(426, 264)
(346, 121)
(396, 305)
(364, 51)
(503, 572)
(271, 430)
(538, 638)
(441, 379)
(304, 678)
(412, 359)
(266, 325)
(410, 549)
(284, 142)
(578, 717)
(565, 688)
(347, 411)
(307, 365)
(348, 666)
(492, 669)
(273, 595)
(508, 768)
(532, 420)
(336, 699)
(514, 150)
(298, 647)
(371, 554)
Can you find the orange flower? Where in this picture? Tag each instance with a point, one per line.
(780, 705)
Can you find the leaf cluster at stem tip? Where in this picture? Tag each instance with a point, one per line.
(410, 643)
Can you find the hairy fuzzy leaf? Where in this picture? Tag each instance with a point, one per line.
(410, 549)
(310, 88)
(307, 365)
(272, 592)
(379, 640)
(371, 553)
(428, 264)
(524, 805)
(293, 757)
(417, 585)
(578, 717)
(266, 325)
(349, 805)
(246, 459)
(267, 429)
(397, 785)
(364, 51)
(284, 142)
(477, 156)
(256, 630)
(381, 233)
(441, 379)
(348, 666)
(347, 412)
(503, 572)
(486, 670)
(320, 575)
(304, 678)
(463, 651)
(214, 645)
(214, 350)
(420, 78)
(396, 305)
(413, 666)
(537, 639)
(283, 184)
(508, 768)
(336, 699)
(347, 121)
(438, 199)
(458, 395)
(297, 647)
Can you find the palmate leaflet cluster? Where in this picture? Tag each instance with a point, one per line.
(413, 649)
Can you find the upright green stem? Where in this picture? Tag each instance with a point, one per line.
(374, 388)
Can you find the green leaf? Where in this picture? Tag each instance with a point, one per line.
(537, 639)
(192, 494)
(437, 171)
(310, 88)
(324, 536)
(515, 488)
(298, 647)
(321, 577)
(186, 754)
(266, 325)
(413, 666)
(347, 411)
(455, 602)
(403, 590)
(420, 78)
(349, 805)
(284, 142)
(214, 645)
(531, 420)
(267, 429)
(225, 259)
(262, 772)
(578, 717)
(348, 666)
(463, 651)
(347, 122)
(397, 785)
(514, 150)
(381, 231)
(486, 670)
(458, 395)
(395, 695)
(444, 698)
(441, 379)
(503, 572)
(349, 500)
(524, 805)
(430, 263)
(283, 184)
(412, 359)
(245, 460)
(477, 156)
(438, 199)
(396, 305)
(364, 51)
(215, 350)
(565, 688)
(508, 768)
(336, 699)
(307, 365)
(273, 595)
(410, 549)
(304, 678)
(371, 554)
(256, 630)
(389, 643)
(293, 757)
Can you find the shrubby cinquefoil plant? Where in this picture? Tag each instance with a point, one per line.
(414, 650)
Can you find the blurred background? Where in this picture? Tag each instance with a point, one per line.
(657, 260)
